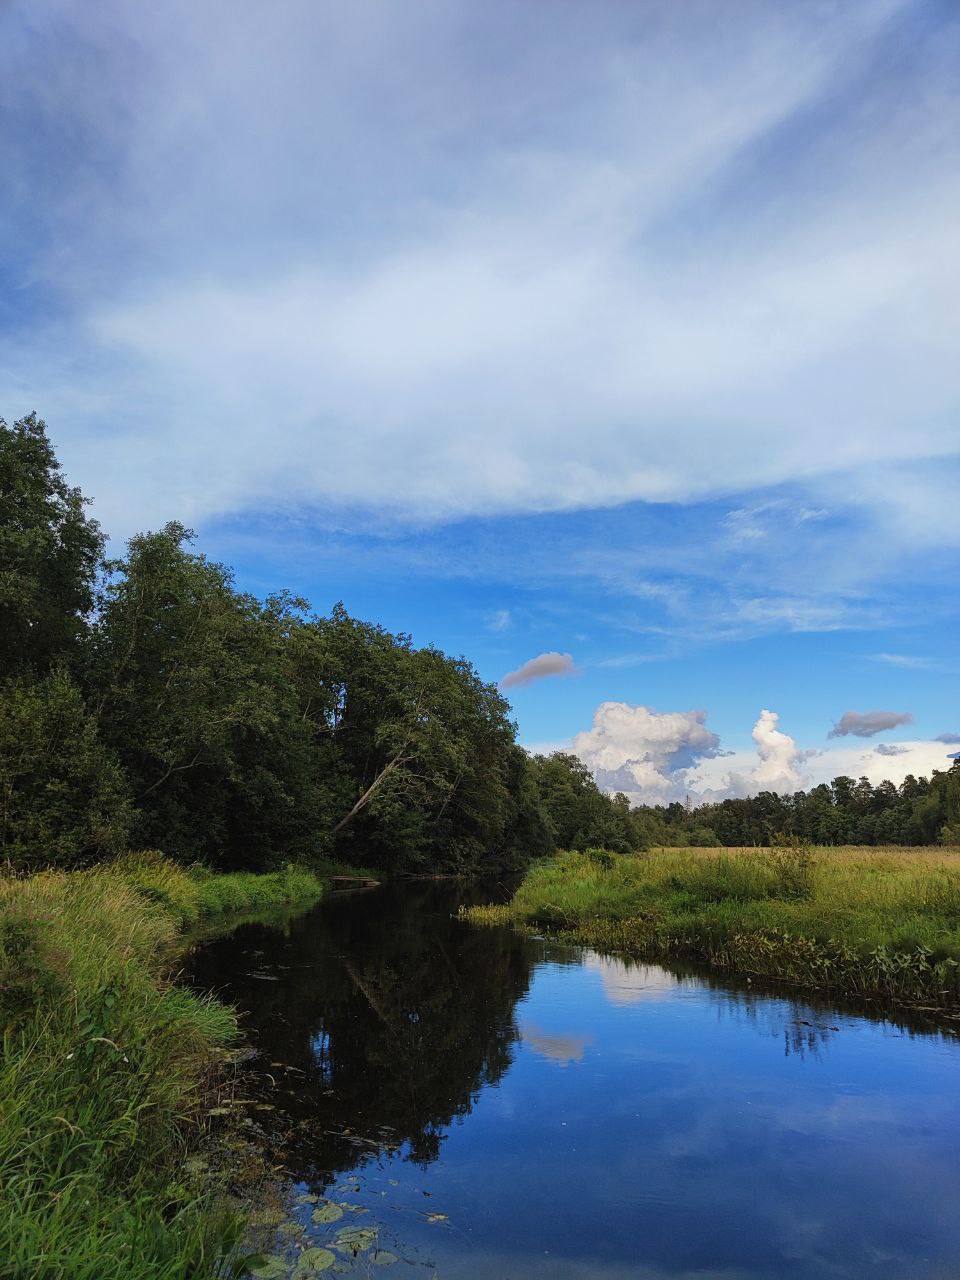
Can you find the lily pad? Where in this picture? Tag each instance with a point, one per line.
(326, 1213)
(266, 1266)
(312, 1261)
(384, 1258)
(307, 1199)
(356, 1239)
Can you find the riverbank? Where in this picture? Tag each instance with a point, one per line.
(858, 922)
(109, 1070)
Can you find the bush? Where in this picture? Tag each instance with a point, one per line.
(793, 861)
(63, 800)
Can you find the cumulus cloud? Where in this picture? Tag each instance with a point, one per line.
(947, 737)
(780, 762)
(864, 724)
(647, 754)
(545, 664)
(657, 757)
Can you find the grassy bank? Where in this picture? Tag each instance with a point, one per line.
(107, 1071)
(861, 922)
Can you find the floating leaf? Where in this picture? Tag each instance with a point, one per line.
(307, 1199)
(327, 1213)
(436, 1217)
(384, 1258)
(356, 1239)
(313, 1261)
(352, 1208)
(266, 1266)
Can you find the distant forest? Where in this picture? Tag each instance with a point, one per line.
(845, 811)
(146, 702)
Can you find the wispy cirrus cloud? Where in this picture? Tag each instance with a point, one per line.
(486, 266)
(910, 662)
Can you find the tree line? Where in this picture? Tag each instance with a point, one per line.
(920, 811)
(146, 701)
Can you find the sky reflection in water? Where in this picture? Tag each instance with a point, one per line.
(576, 1116)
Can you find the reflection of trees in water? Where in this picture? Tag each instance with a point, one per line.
(388, 1015)
(803, 1021)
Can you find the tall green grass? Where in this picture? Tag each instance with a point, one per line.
(107, 1071)
(861, 923)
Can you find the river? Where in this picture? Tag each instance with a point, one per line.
(473, 1103)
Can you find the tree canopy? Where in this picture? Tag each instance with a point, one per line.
(148, 700)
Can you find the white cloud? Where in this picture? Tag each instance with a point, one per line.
(781, 764)
(909, 662)
(545, 664)
(915, 756)
(658, 757)
(445, 265)
(647, 754)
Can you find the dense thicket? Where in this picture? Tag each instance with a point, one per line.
(147, 701)
(919, 811)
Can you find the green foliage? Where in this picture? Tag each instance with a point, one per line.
(846, 812)
(857, 924)
(105, 1072)
(579, 814)
(63, 797)
(49, 554)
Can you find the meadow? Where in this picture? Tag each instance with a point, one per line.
(109, 1071)
(856, 921)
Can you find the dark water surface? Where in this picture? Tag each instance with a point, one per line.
(504, 1107)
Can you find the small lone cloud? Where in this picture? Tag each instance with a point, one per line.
(545, 664)
(500, 621)
(909, 661)
(864, 724)
(949, 738)
(890, 749)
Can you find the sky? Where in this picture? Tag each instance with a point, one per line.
(615, 346)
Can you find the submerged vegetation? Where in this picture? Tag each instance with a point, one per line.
(107, 1071)
(852, 921)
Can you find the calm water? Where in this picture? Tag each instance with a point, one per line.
(504, 1107)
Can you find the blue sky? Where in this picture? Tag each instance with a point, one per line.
(623, 332)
